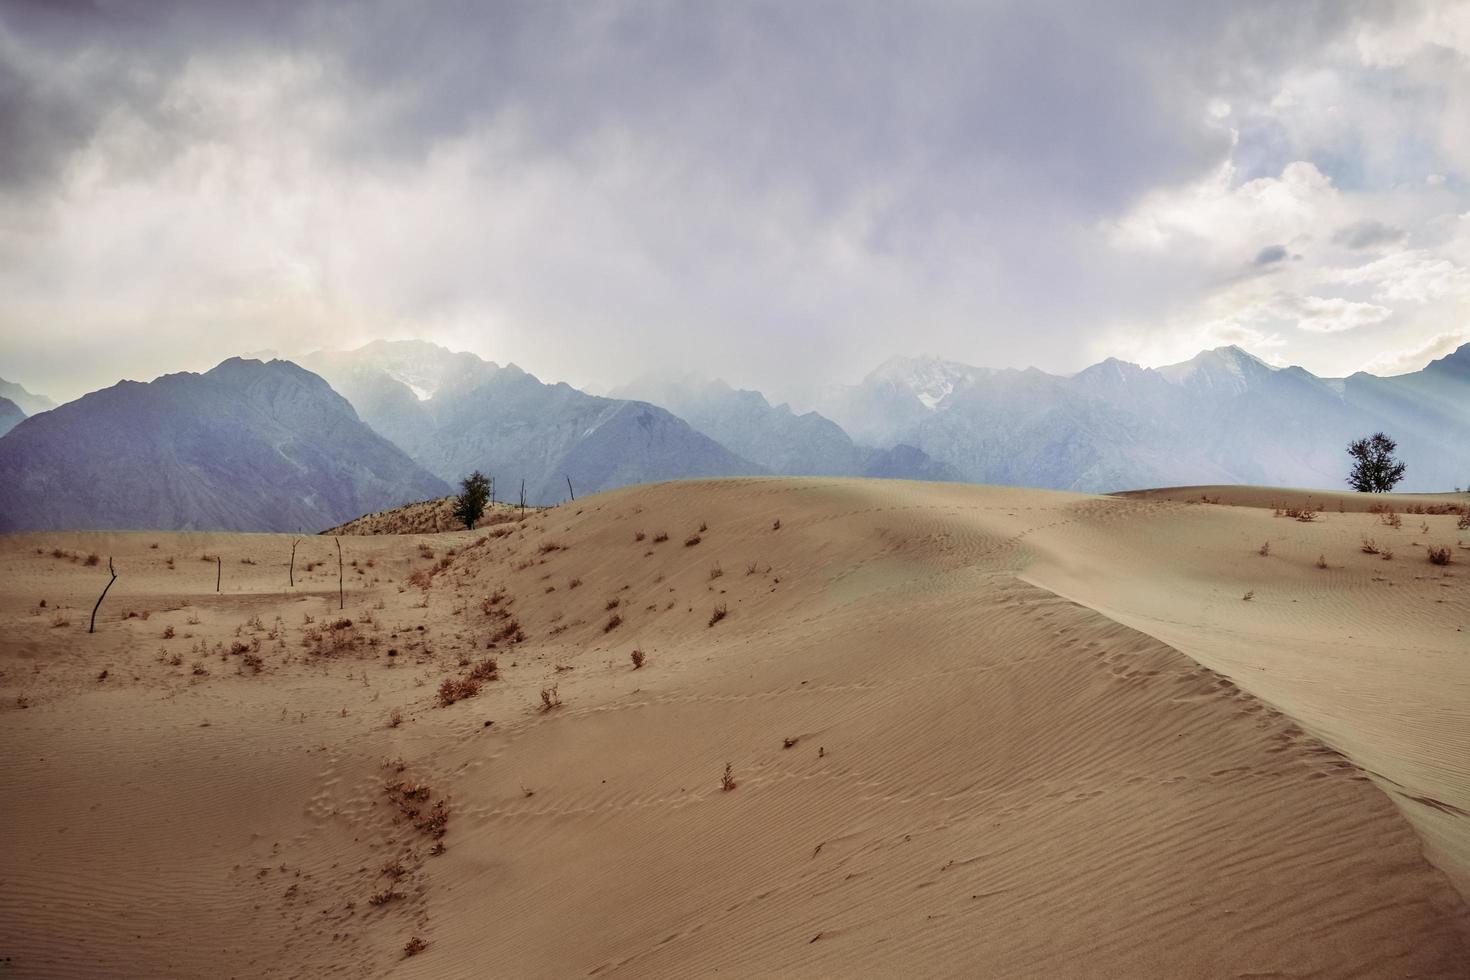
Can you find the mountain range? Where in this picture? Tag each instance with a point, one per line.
(454, 413)
(245, 446)
(1224, 416)
(252, 445)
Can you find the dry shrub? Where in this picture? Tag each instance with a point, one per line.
(661, 537)
(716, 572)
(638, 535)
(776, 526)
(574, 583)
(510, 632)
(384, 897)
(727, 781)
(550, 698)
(59, 620)
(454, 689)
(1464, 522)
(425, 551)
(92, 559)
(1439, 554)
(638, 658)
(1321, 561)
(414, 946)
(1389, 519)
(486, 670)
(1264, 550)
(252, 662)
(1249, 596)
(547, 547)
(612, 604)
(1370, 547)
(692, 540)
(395, 718)
(613, 622)
(719, 613)
(703, 527)
(168, 633)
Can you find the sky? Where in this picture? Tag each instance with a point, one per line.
(779, 194)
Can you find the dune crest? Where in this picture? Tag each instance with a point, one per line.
(962, 736)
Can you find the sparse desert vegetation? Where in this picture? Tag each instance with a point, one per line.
(455, 677)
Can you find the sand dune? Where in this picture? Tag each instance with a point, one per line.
(973, 732)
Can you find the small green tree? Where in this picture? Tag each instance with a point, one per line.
(469, 506)
(1375, 470)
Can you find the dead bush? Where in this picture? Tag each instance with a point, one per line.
(414, 946)
(453, 689)
(1264, 550)
(550, 699)
(613, 622)
(720, 612)
(692, 540)
(637, 657)
(661, 537)
(1370, 547)
(727, 781)
(1439, 554)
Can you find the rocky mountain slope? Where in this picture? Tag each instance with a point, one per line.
(245, 446)
(1223, 416)
(454, 413)
(782, 441)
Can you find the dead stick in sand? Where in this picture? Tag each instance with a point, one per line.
(292, 572)
(341, 602)
(569, 490)
(219, 571)
(92, 626)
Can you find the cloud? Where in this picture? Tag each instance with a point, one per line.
(1270, 255)
(1367, 234)
(792, 191)
(1417, 356)
(1333, 314)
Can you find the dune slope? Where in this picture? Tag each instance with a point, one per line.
(960, 744)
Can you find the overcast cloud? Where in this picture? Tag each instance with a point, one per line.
(782, 194)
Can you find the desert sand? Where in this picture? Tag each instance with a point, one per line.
(971, 731)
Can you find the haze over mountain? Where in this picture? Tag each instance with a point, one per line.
(455, 413)
(245, 446)
(10, 415)
(28, 402)
(1224, 416)
(777, 438)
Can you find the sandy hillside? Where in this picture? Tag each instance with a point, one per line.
(971, 732)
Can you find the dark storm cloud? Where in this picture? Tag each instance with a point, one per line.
(598, 178)
(1367, 234)
(1068, 105)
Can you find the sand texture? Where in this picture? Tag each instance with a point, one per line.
(971, 731)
